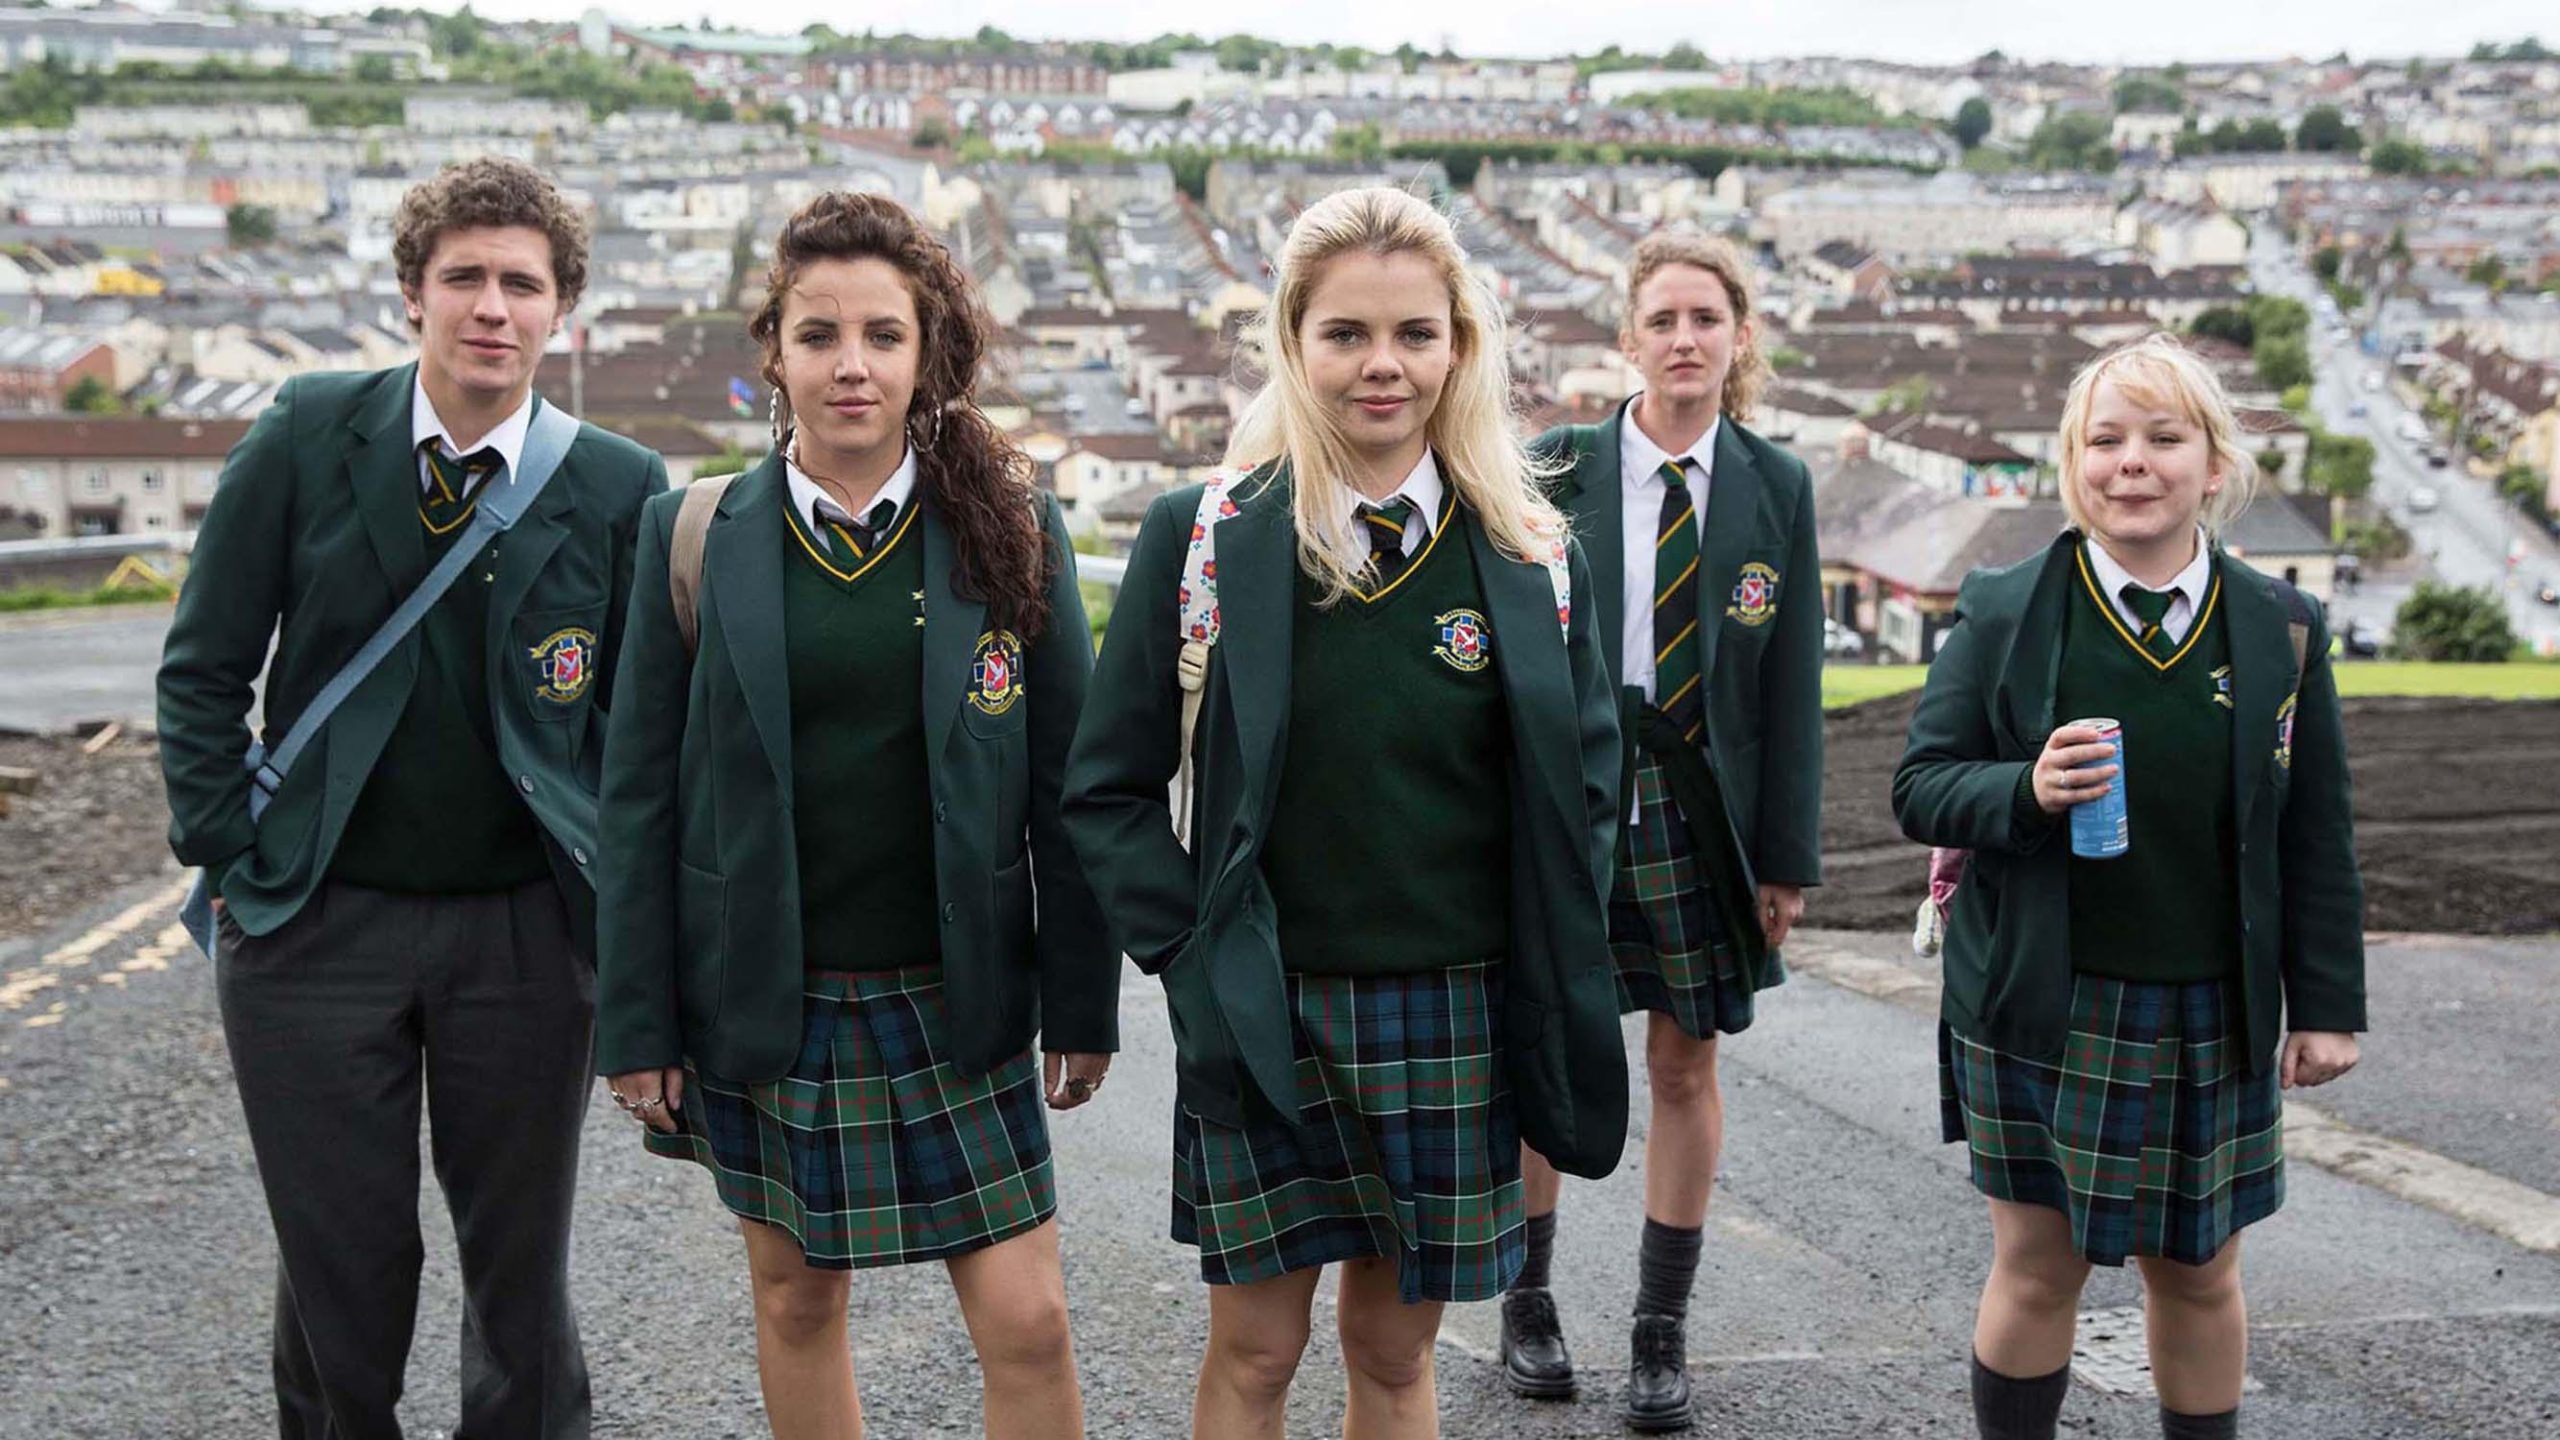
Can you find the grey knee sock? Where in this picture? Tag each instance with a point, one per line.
(1666, 1267)
(2176, 1426)
(1539, 1234)
(2005, 1408)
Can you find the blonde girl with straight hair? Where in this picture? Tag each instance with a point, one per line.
(2118, 1028)
(1377, 956)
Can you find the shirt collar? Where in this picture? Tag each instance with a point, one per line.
(1640, 460)
(1422, 485)
(805, 494)
(426, 425)
(2189, 581)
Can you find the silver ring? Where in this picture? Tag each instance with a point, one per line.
(651, 1103)
(620, 1100)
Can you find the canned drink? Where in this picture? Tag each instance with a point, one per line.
(2100, 828)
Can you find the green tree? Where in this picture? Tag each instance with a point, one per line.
(2149, 95)
(2223, 322)
(2339, 466)
(931, 133)
(1973, 122)
(2488, 270)
(2325, 262)
(2452, 623)
(2277, 317)
(2522, 485)
(2399, 157)
(2325, 129)
(90, 395)
(458, 34)
(2073, 141)
(249, 226)
(1684, 56)
(1909, 395)
(2284, 362)
(374, 70)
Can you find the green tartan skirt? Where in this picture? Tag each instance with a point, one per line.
(2149, 1133)
(1674, 952)
(1405, 1145)
(873, 1150)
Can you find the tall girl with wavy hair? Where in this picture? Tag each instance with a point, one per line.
(830, 803)
(1376, 951)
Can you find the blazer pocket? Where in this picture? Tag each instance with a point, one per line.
(702, 947)
(555, 658)
(1013, 912)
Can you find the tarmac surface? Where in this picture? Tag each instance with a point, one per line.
(2410, 1287)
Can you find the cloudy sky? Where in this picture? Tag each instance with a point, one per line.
(1919, 30)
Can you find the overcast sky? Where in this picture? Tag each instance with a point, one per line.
(1921, 30)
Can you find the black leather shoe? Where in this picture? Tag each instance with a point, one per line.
(1534, 1360)
(1658, 1377)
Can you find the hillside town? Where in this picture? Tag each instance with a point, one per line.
(195, 208)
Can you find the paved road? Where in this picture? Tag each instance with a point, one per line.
(58, 668)
(1844, 1253)
(2468, 537)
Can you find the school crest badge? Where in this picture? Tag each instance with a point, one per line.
(2222, 686)
(2284, 731)
(565, 661)
(1466, 642)
(995, 676)
(1755, 594)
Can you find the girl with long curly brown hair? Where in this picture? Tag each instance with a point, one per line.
(831, 776)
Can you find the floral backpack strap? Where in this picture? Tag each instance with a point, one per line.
(1559, 568)
(1198, 601)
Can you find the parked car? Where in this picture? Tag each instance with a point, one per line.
(2548, 590)
(2372, 380)
(1839, 642)
(2438, 457)
(2358, 409)
(2360, 640)
(2423, 499)
(1134, 408)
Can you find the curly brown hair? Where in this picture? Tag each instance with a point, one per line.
(488, 193)
(1722, 259)
(980, 484)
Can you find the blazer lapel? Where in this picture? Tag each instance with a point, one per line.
(382, 468)
(2031, 673)
(1257, 607)
(1733, 510)
(952, 624)
(1599, 519)
(2261, 676)
(1529, 654)
(742, 586)
(524, 550)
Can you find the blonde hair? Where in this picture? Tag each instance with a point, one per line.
(2158, 372)
(1473, 429)
(1722, 259)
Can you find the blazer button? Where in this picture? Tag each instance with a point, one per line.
(578, 855)
(950, 913)
(525, 783)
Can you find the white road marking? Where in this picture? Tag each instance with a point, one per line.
(2505, 1208)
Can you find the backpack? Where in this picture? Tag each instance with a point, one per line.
(1197, 607)
(1947, 866)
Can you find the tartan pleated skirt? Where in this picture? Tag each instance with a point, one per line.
(1673, 951)
(1405, 1145)
(873, 1150)
(2150, 1133)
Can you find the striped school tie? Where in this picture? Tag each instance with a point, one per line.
(850, 541)
(1386, 525)
(452, 488)
(1676, 686)
(2153, 608)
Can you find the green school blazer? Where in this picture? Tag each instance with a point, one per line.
(1981, 723)
(1206, 922)
(701, 953)
(1762, 660)
(311, 541)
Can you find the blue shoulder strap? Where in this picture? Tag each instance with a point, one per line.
(546, 442)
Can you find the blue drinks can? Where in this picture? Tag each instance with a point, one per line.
(2100, 829)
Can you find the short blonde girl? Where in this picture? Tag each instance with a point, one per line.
(1473, 430)
(2158, 372)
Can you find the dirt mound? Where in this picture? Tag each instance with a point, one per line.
(2457, 816)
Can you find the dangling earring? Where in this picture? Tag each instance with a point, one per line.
(773, 417)
(932, 435)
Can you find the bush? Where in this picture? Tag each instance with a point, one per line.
(2452, 623)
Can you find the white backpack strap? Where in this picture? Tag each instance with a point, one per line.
(1559, 568)
(1199, 618)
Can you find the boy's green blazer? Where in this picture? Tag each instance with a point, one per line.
(1981, 723)
(701, 946)
(311, 541)
(1206, 921)
(1762, 660)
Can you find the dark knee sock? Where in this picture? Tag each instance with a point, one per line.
(2010, 1409)
(2175, 1426)
(1666, 1266)
(1539, 1231)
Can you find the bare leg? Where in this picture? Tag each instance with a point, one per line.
(2197, 1323)
(1014, 1298)
(1257, 1333)
(1386, 1351)
(1687, 1133)
(803, 1355)
(2031, 1303)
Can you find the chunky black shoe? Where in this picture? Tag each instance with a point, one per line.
(1658, 1377)
(1534, 1360)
